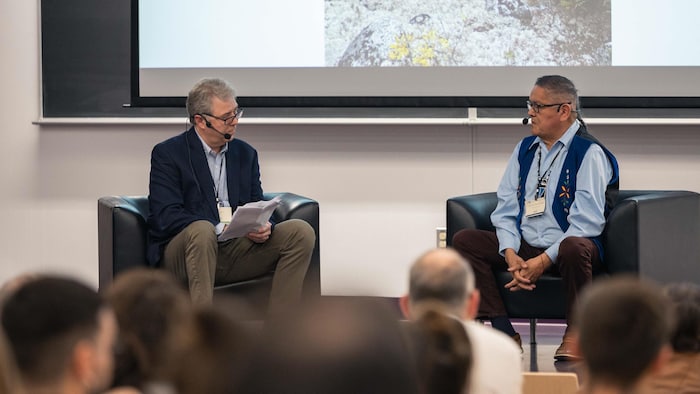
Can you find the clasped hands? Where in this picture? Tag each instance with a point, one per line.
(525, 272)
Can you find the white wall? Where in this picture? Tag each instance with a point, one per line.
(381, 188)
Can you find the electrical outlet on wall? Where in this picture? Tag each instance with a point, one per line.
(441, 237)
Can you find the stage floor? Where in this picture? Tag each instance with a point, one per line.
(539, 357)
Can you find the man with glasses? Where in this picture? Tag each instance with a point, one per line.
(553, 199)
(197, 179)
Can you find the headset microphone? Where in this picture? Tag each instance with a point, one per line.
(226, 136)
(526, 120)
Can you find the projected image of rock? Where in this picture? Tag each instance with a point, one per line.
(365, 33)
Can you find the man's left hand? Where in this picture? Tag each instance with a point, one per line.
(533, 270)
(261, 235)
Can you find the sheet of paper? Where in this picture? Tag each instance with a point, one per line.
(249, 217)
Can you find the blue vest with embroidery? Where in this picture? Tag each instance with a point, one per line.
(566, 187)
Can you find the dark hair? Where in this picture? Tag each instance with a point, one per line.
(44, 319)
(442, 352)
(152, 311)
(685, 298)
(564, 88)
(214, 353)
(623, 323)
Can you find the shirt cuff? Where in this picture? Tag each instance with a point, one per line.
(553, 252)
(510, 243)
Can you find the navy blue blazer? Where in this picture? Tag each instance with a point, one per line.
(181, 189)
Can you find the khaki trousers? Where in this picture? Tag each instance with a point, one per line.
(198, 259)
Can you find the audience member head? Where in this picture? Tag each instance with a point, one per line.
(61, 334)
(199, 99)
(333, 346)
(442, 276)
(685, 298)
(624, 325)
(153, 312)
(442, 351)
(214, 352)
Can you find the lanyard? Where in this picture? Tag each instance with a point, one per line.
(217, 184)
(544, 178)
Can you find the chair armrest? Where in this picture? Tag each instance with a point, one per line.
(470, 212)
(294, 206)
(122, 231)
(656, 235)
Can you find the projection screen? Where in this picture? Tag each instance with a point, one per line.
(408, 52)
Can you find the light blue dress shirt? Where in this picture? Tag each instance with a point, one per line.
(217, 169)
(586, 214)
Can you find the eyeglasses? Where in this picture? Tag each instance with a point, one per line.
(536, 107)
(230, 119)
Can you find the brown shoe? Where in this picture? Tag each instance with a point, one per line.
(519, 341)
(565, 352)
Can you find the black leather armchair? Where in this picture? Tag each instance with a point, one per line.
(122, 234)
(655, 234)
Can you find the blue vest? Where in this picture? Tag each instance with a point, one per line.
(566, 187)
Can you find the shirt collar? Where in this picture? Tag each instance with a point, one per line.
(207, 149)
(566, 138)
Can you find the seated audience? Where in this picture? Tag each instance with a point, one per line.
(682, 373)
(153, 312)
(61, 335)
(624, 326)
(334, 347)
(442, 276)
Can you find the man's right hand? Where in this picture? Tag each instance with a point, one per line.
(515, 264)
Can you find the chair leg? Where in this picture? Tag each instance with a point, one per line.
(533, 331)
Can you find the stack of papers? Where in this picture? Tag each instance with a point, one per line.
(249, 217)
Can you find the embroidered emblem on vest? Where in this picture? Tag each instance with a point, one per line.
(565, 193)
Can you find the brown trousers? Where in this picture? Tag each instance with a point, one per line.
(197, 258)
(577, 259)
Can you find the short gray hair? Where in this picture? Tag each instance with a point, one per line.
(443, 276)
(559, 86)
(199, 98)
(562, 87)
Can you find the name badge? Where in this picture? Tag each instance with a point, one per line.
(225, 214)
(534, 207)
